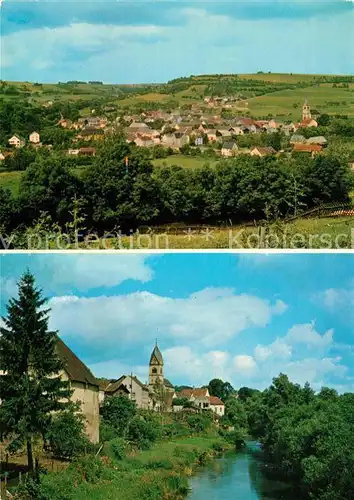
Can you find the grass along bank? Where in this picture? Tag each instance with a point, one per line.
(160, 472)
(313, 233)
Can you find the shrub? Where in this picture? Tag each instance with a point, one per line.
(142, 433)
(198, 423)
(107, 432)
(66, 435)
(117, 411)
(116, 449)
(91, 469)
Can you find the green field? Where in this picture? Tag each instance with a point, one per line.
(323, 98)
(10, 180)
(184, 161)
(279, 103)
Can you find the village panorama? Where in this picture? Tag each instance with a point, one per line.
(207, 151)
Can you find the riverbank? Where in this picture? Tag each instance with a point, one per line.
(160, 473)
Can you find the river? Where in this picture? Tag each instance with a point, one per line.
(236, 476)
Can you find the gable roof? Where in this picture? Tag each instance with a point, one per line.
(197, 393)
(228, 145)
(214, 400)
(264, 149)
(167, 383)
(74, 367)
(307, 148)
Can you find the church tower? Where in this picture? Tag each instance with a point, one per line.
(306, 111)
(156, 367)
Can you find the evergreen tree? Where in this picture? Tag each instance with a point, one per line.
(30, 387)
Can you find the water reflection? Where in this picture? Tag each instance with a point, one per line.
(237, 475)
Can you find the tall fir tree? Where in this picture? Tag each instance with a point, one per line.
(30, 384)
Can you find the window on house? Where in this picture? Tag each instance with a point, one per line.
(154, 370)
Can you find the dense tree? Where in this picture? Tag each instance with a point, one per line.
(20, 159)
(7, 209)
(325, 179)
(117, 412)
(30, 388)
(48, 186)
(307, 437)
(120, 188)
(246, 392)
(221, 389)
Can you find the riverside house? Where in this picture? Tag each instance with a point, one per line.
(201, 398)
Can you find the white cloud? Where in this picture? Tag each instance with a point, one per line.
(314, 370)
(53, 43)
(115, 368)
(339, 300)
(8, 287)
(306, 334)
(284, 347)
(60, 274)
(278, 349)
(244, 363)
(88, 271)
(280, 307)
(205, 42)
(209, 317)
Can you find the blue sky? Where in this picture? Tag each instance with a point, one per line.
(243, 318)
(152, 41)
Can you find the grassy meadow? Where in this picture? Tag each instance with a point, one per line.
(11, 181)
(184, 161)
(159, 473)
(323, 98)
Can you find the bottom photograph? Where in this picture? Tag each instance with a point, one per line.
(177, 375)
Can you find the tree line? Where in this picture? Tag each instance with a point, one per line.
(307, 438)
(122, 188)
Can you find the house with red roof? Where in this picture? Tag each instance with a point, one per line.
(202, 399)
(312, 149)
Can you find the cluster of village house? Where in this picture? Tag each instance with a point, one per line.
(91, 392)
(182, 128)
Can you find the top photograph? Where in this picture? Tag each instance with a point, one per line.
(176, 125)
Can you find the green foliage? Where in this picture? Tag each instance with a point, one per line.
(107, 432)
(246, 392)
(116, 449)
(199, 423)
(7, 210)
(221, 389)
(119, 192)
(117, 412)
(29, 392)
(91, 468)
(66, 434)
(116, 192)
(20, 159)
(142, 433)
(48, 186)
(307, 437)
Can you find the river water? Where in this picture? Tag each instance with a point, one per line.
(236, 476)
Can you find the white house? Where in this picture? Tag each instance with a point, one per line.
(129, 385)
(229, 149)
(201, 398)
(17, 141)
(217, 406)
(34, 138)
